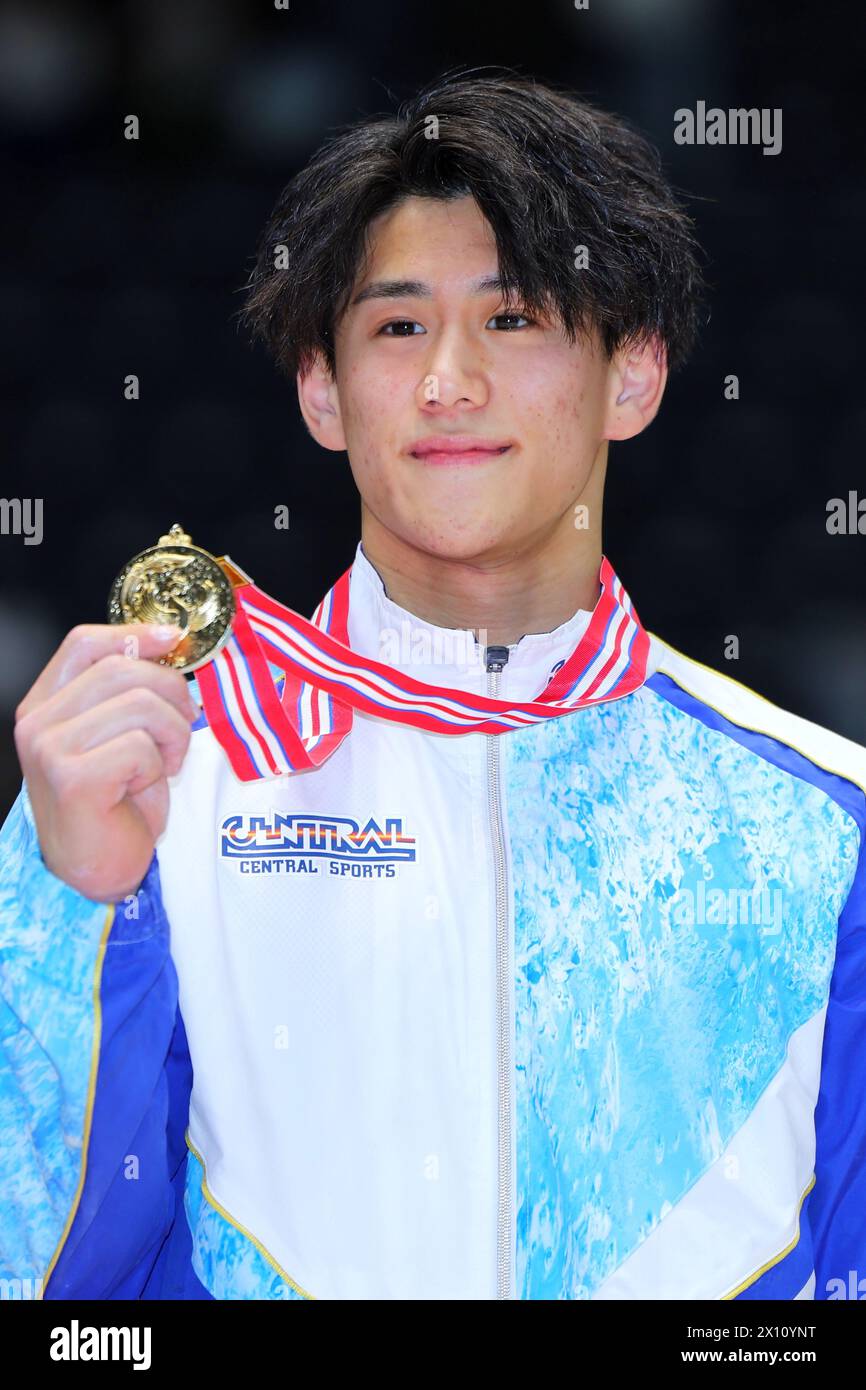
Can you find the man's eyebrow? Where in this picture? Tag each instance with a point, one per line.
(419, 289)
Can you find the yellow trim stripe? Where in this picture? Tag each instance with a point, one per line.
(713, 672)
(776, 1258)
(243, 1230)
(91, 1091)
(753, 728)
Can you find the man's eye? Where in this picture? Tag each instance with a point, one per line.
(400, 323)
(512, 314)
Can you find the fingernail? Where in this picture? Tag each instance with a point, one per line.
(166, 630)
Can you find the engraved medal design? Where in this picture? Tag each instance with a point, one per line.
(178, 582)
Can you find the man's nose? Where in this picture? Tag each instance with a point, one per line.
(455, 370)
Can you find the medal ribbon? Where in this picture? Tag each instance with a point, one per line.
(266, 735)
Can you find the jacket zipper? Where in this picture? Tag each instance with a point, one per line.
(494, 660)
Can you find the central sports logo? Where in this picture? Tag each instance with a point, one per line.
(293, 843)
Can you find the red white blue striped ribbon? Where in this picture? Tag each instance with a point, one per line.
(266, 735)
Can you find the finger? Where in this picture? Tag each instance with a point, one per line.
(124, 766)
(119, 787)
(88, 643)
(112, 675)
(133, 710)
(152, 802)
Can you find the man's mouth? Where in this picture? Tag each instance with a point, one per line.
(457, 448)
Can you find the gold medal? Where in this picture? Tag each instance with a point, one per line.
(178, 582)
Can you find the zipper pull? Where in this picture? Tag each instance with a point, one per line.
(495, 658)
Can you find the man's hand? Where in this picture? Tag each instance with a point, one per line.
(98, 734)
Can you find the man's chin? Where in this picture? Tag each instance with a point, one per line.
(460, 544)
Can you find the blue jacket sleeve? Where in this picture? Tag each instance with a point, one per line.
(837, 1204)
(94, 1079)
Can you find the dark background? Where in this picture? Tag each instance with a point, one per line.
(129, 256)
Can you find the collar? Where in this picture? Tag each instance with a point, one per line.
(382, 629)
(428, 676)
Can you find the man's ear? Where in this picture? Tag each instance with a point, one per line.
(637, 379)
(320, 405)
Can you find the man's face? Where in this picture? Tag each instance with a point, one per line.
(415, 363)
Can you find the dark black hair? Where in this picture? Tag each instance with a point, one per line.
(549, 171)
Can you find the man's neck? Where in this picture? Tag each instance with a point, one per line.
(499, 598)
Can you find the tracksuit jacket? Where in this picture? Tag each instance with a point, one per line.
(576, 1011)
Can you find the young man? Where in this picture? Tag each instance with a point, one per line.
(541, 972)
